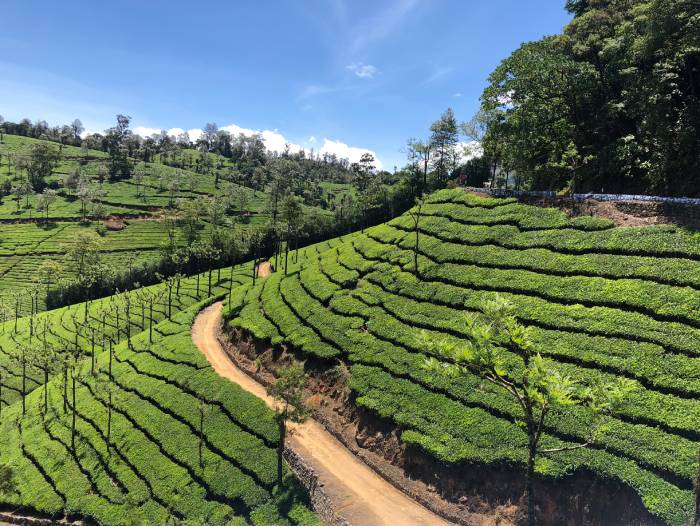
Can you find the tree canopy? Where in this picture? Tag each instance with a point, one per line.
(612, 103)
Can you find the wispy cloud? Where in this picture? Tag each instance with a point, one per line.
(381, 25)
(364, 71)
(312, 90)
(438, 74)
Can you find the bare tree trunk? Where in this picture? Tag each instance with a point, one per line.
(280, 450)
(65, 387)
(529, 483)
(46, 391)
(72, 428)
(109, 424)
(24, 385)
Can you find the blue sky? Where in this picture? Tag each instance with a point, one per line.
(344, 75)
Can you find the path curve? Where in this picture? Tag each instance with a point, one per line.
(264, 269)
(358, 493)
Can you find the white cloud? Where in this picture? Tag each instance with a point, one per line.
(144, 131)
(273, 139)
(457, 95)
(364, 71)
(470, 150)
(344, 151)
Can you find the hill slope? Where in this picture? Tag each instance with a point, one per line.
(31, 237)
(602, 301)
(143, 464)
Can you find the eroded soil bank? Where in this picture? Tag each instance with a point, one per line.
(473, 495)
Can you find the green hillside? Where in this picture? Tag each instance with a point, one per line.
(603, 302)
(143, 465)
(31, 236)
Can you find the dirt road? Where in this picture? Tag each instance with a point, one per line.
(264, 269)
(358, 493)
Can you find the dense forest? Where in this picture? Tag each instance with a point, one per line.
(611, 104)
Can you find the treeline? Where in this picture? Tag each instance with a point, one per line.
(224, 243)
(611, 104)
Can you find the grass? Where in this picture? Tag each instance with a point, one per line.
(602, 302)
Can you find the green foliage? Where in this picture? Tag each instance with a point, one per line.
(610, 103)
(630, 317)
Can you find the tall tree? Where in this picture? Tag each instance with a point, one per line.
(444, 138)
(42, 161)
(77, 128)
(83, 257)
(116, 140)
(293, 216)
(45, 200)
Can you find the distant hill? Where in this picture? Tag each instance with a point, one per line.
(85, 198)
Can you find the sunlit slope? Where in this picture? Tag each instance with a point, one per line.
(143, 465)
(602, 302)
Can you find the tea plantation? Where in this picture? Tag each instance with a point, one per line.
(603, 302)
(109, 413)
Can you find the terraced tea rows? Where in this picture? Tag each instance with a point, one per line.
(603, 302)
(159, 435)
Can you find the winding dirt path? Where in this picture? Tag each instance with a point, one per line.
(264, 269)
(358, 493)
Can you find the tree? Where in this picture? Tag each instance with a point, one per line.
(45, 200)
(415, 215)
(372, 198)
(204, 252)
(191, 213)
(42, 161)
(106, 388)
(77, 128)
(535, 385)
(71, 179)
(116, 142)
(138, 177)
(364, 172)
(44, 358)
(293, 216)
(23, 360)
(419, 156)
(209, 135)
(169, 282)
(22, 188)
(83, 257)
(288, 391)
(444, 138)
